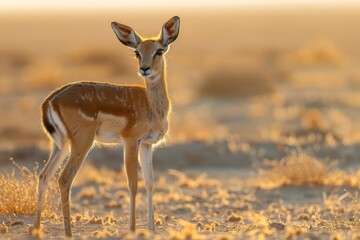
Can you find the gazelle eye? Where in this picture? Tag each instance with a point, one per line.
(159, 52)
(137, 54)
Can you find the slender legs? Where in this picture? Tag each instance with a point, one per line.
(131, 155)
(146, 162)
(56, 158)
(143, 152)
(79, 150)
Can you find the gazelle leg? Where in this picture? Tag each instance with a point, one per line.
(131, 161)
(56, 158)
(146, 162)
(79, 150)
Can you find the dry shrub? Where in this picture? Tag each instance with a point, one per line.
(259, 225)
(234, 217)
(87, 192)
(201, 181)
(344, 213)
(331, 121)
(113, 204)
(313, 119)
(188, 232)
(37, 233)
(340, 122)
(18, 194)
(230, 83)
(299, 168)
(103, 233)
(14, 59)
(316, 54)
(4, 228)
(343, 178)
(96, 220)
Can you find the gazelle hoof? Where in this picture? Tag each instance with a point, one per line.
(68, 235)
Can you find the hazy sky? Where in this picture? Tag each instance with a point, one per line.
(94, 4)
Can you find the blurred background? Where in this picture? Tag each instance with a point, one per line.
(265, 127)
(240, 71)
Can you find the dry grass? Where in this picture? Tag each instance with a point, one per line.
(18, 194)
(37, 233)
(4, 228)
(188, 232)
(299, 168)
(344, 212)
(198, 207)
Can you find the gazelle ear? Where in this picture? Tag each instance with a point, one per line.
(126, 35)
(170, 31)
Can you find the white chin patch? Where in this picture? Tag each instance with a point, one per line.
(154, 78)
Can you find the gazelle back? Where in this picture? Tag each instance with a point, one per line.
(78, 114)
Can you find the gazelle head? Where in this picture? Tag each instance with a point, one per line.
(149, 52)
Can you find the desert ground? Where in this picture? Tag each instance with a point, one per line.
(264, 139)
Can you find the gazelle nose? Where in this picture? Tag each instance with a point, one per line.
(145, 68)
(145, 71)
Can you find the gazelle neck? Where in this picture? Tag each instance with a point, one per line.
(157, 93)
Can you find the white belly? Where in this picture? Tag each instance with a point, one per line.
(110, 128)
(107, 137)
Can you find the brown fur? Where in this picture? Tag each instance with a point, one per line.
(78, 114)
(145, 109)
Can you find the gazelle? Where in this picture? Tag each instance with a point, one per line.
(78, 114)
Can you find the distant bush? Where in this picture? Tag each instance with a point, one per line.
(90, 56)
(301, 168)
(295, 169)
(230, 83)
(317, 54)
(14, 59)
(98, 57)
